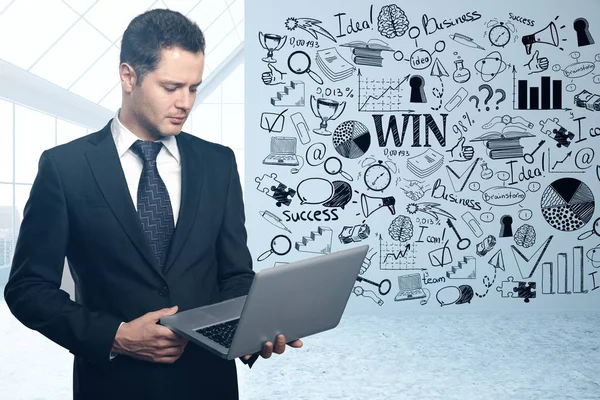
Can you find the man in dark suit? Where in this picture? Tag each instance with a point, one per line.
(151, 221)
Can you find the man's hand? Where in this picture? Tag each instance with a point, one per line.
(273, 77)
(537, 63)
(279, 347)
(145, 340)
(460, 152)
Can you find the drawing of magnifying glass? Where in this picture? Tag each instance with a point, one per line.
(333, 166)
(280, 245)
(595, 229)
(299, 63)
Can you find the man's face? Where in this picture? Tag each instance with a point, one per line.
(162, 103)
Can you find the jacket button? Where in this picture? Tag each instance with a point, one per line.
(163, 291)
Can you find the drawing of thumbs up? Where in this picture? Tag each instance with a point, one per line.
(460, 152)
(537, 63)
(273, 77)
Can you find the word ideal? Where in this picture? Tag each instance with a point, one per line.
(353, 26)
(430, 124)
(430, 25)
(528, 22)
(525, 174)
(310, 215)
(439, 192)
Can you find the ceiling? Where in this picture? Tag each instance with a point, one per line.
(75, 44)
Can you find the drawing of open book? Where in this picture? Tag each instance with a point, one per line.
(368, 53)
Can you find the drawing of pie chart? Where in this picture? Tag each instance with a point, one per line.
(567, 204)
(351, 139)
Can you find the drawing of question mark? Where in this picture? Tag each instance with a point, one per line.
(503, 93)
(476, 102)
(489, 96)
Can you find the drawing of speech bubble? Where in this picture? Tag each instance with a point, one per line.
(447, 295)
(314, 191)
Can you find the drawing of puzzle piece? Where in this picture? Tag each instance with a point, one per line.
(517, 289)
(551, 128)
(270, 186)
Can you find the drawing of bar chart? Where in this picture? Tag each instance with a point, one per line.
(397, 256)
(562, 279)
(547, 96)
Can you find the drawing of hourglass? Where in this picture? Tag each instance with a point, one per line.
(327, 110)
(461, 74)
(271, 42)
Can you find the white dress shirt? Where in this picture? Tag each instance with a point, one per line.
(168, 163)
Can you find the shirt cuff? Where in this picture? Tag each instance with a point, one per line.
(113, 355)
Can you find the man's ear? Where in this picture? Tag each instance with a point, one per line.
(128, 77)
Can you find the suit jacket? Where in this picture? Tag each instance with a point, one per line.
(80, 207)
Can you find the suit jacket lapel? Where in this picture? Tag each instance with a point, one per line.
(192, 178)
(106, 168)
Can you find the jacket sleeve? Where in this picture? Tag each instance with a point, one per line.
(233, 257)
(33, 291)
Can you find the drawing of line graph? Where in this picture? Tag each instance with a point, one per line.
(379, 95)
(396, 256)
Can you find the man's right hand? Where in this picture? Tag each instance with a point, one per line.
(145, 340)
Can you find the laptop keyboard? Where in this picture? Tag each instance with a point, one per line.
(220, 333)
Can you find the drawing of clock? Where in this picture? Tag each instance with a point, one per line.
(378, 177)
(499, 35)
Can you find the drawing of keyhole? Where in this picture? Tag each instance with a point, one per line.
(506, 226)
(582, 27)
(417, 93)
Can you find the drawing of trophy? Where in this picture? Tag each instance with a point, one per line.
(271, 42)
(327, 110)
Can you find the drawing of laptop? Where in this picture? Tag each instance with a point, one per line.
(410, 288)
(297, 300)
(283, 152)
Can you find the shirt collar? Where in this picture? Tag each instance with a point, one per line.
(124, 138)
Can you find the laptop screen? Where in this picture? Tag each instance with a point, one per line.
(409, 282)
(283, 145)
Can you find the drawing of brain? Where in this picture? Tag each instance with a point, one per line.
(392, 21)
(401, 228)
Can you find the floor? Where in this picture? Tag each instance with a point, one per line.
(425, 357)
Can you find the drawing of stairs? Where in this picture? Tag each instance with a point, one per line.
(291, 96)
(464, 270)
(318, 242)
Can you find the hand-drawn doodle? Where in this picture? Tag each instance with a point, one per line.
(525, 264)
(460, 152)
(582, 27)
(461, 73)
(315, 154)
(351, 139)
(359, 291)
(321, 191)
(293, 95)
(417, 91)
(271, 42)
(415, 189)
(567, 204)
(506, 143)
(274, 220)
(490, 66)
(299, 63)
(333, 166)
(593, 255)
(584, 158)
(270, 186)
(367, 261)
(465, 41)
(506, 226)
(356, 233)
(425, 164)
(401, 228)
(503, 196)
(555, 131)
(525, 214)
(392, 22)
(517, 289)
(309, 25)
(342, 194)
(282, 152)
(318, 241)
(487, 217)
(333, 65)
(370, 204)
(500, 33)
(548, 35)
(593, 275)
(485, 246)
(380, 95)
(326, 110)
(525, 235)
(421, 58)
(528, 98)
(578, 69)
(368, 53)
(454, 295)
(410, 288)
(438, 69)
(273, 122)
(587, 100)
(377, 177)
(595, 230)
(486, 172)
(460, 181)
(456, 100)
(497, 260)
(528, 157)
(463, 242)
(487, 282)
(397, 256)
(384, 286)
(429, 208)
(472, 223)
(301, 127)
(537, 64)
(273, 76)
(440, 257)
(465, 269)
(280, 245)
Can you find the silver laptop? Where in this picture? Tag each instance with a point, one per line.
(283, 151)
(297, 300)
(410, 288)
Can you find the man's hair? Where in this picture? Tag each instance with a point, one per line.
(153, 31)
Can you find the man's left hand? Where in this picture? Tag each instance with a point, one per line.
(278, 348)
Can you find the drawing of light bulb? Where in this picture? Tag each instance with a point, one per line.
(327, 110)
(271, 42)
